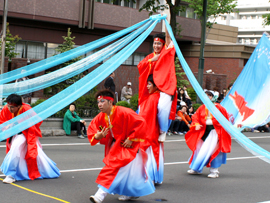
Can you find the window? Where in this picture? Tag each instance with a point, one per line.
(190, 13)
(129, 61)
(130, 4)
(35, 50)
(187, 13)
(138, 57)
(51, 49)
(20, 48)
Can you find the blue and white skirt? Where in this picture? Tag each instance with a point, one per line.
(204, 150)
(155, 174)
(15, 165)
(132, 180)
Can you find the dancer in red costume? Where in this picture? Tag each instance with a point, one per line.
(160, 63)
(153, 148)
(25, 158)
(121, 130)
(208, 141)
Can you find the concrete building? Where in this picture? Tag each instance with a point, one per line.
(42, 23)
(248, 18)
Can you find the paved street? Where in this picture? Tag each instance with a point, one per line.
(245, 178)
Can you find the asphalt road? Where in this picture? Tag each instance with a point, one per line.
(245, 178)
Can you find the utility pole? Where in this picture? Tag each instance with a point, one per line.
(201, 60)
(4, 30)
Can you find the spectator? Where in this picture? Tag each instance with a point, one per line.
(26, 98)
(229, 88)
(188, 99)
(262, 129)
(181, 123)
(222, 95)
(126, 92)
(73, 122)
(185, 122)
(181, 97)
(190, 111)
(216, 93)
(109, 83)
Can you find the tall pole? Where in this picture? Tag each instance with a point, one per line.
(5, 10)
(201, 60)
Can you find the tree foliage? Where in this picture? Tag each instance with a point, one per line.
(266, 19)
(67, 45)
(215, 8)
(154, 6)
(10, 44)
(179, 74)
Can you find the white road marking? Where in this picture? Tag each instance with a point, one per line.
(166, 164)
(87, 144)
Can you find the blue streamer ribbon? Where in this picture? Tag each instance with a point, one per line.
(65, 97)
(63, 57)
(240, 137)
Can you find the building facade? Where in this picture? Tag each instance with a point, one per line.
(248, 17)
(42, 23)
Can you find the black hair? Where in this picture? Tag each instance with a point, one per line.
(73, 104)
(104, 92)
(151, 79)
(183, 107)
(159, 35)
(14, 98)
(209, 93)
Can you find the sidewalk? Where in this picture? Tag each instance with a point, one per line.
(54, 127)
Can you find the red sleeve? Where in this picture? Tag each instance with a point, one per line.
(145, 69)
(144, 64)
(5, 115)
(164, 72)
(93, 128)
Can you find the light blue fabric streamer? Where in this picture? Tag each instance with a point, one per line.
(240, 138)
(248, 104)
(63, 57)
(65, 97)
(73, 69)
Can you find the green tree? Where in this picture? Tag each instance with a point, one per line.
(67, 45)
(215, 8)
(179, 74)
(174, 8)
(266, 19)
(10, 44)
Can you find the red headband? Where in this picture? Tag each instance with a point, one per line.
(105, 97)
(12, 104)
(159, 40)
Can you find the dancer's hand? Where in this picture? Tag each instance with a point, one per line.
(155, 58)
(198, 127)
(101, 134)
(127, 143)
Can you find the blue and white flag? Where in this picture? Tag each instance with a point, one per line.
(248, 102)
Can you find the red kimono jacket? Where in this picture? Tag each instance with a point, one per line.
(30, 135)
(148, 110)
(163, 71)
(193, 136)
(125, 123)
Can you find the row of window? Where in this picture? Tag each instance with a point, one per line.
(187, 13)
(248, 41)
(129, 4)
(39, 50)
